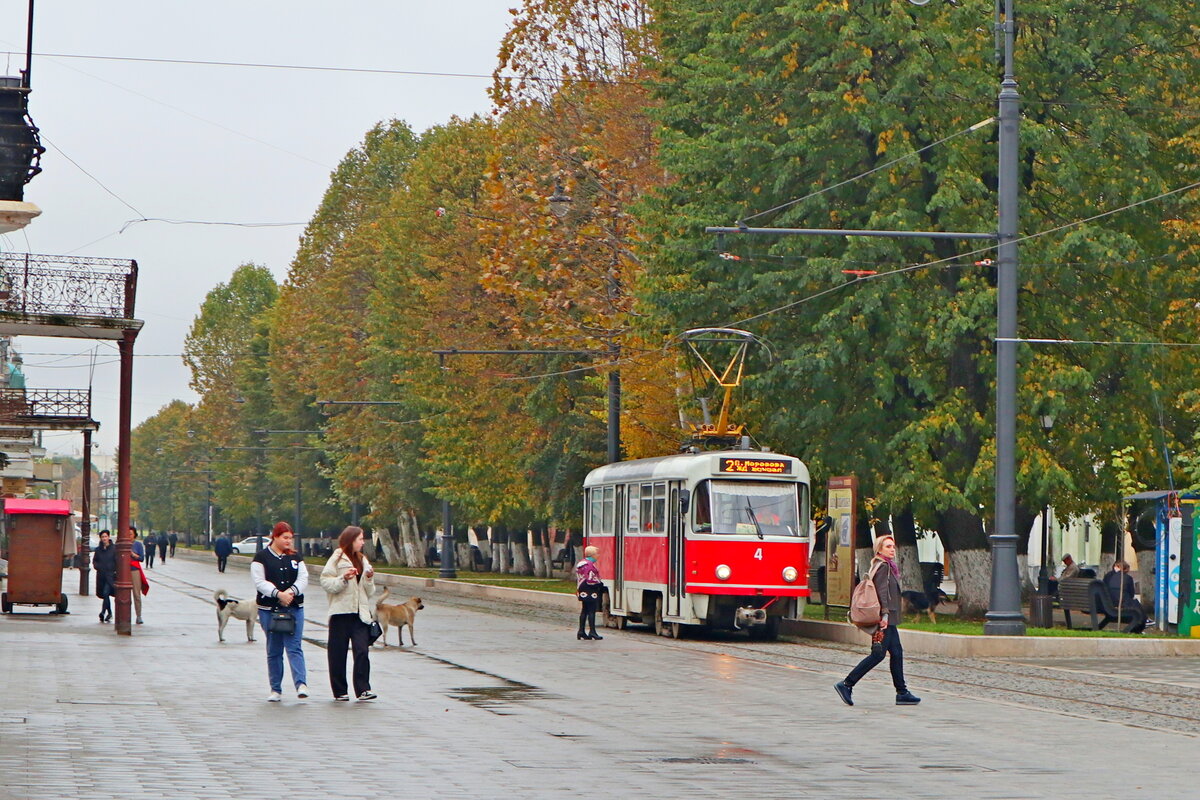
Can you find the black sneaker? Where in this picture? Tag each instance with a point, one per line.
(907, 699)
(843, 692)
(368, 695)
(345, 698)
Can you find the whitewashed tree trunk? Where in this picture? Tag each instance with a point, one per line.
(520, 557)
(1028, 579)
(462, 556)
(537, 554)
(500, 553)
(388, 544)
(972, 571)
(412, 542)
(910, 568)
(862, 560)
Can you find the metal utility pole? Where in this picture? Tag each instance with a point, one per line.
(1004, 609)
(124, 583)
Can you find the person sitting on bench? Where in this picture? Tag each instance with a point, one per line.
(1119, 584)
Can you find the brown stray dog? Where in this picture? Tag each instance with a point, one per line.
(398, 615)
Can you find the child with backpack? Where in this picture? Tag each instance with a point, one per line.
(881, 615)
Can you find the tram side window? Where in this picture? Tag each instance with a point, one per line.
(608, 510)
(635, 509)
(702, 509)
(660, 507)
(594, 510)
(647, 518)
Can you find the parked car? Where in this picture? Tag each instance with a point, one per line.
(248, 545)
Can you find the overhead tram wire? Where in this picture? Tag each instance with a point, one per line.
(871, 171)
(970, 253)
(955, 98)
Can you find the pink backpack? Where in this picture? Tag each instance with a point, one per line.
(865, 611)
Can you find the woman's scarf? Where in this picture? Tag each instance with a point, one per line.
(891, 562)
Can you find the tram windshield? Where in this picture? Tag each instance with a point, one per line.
(747, 508)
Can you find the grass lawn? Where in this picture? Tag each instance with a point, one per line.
(560, 585)
(966, 627)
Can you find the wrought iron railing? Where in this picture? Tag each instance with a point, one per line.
(33, 404)
(67, 285)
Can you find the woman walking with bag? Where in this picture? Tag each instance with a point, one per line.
(885, 573)
(349, 581)
(280, 579)
(589, 588)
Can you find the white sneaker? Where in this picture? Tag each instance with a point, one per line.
(274, 697)
(302, 690)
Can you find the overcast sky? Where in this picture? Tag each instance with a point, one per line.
(212, 143)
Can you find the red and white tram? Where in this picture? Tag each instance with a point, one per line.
(719, 539)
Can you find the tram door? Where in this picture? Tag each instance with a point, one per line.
(674, 551)
(617, 600)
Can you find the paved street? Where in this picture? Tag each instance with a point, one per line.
(506, 701)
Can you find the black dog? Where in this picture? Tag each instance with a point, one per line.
(926, 601)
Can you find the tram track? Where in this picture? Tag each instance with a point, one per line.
(1155, 706)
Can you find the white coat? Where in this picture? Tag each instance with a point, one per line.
(355, 596)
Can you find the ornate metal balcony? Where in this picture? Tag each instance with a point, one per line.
(47, 409)
(68, 296)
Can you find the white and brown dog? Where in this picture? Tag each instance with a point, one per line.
(398, 615)
(237, 609)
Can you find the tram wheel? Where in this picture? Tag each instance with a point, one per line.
(674, 630)
(659, 625)
(5, 606)
(61, 608)
(620, 623)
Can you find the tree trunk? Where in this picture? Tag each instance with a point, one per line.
(904, 529)
(499, 538)
(970, 559)
(520, 556)
(387, 541)
(413, 550)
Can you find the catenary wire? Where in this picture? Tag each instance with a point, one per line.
(871, 171)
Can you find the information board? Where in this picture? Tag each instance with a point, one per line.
(839, 540)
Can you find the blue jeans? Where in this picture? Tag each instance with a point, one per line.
(891, 646)
(277, 643)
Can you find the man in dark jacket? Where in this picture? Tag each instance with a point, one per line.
(162, 547)
(172, 539)
(222, 547)
(151, 545)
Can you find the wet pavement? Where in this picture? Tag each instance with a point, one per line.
(507, 701)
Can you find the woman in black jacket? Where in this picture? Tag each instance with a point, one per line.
(886, 575)
(104, 562)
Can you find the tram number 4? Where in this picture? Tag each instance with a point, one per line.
(758, 554)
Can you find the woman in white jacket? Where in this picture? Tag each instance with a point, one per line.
(350, 583)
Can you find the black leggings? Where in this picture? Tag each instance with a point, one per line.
(348, 631)
(891, 645)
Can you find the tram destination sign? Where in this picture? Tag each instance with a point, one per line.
(756, 466)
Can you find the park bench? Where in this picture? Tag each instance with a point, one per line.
(1089, 595)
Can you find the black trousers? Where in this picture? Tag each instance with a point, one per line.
(221, 562)
(891, 646)
(150, 556)
(348, 631)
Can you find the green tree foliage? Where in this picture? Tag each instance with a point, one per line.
(892, 377)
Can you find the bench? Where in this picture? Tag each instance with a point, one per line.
(1090, 595)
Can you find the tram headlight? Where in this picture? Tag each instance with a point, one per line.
(723, 572)
(790, 574)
